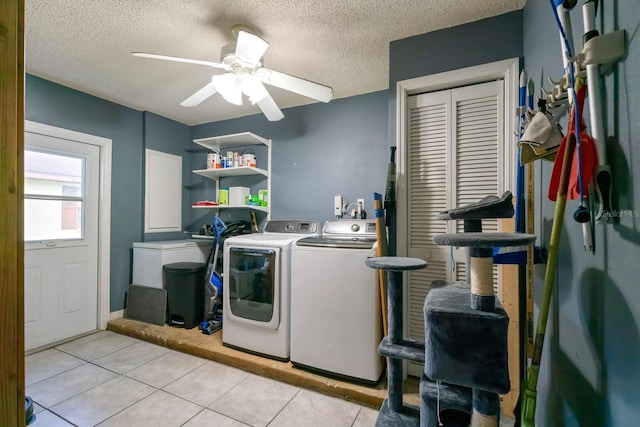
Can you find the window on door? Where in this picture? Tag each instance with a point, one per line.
(54, 187)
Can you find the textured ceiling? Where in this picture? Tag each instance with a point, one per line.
(86, 45)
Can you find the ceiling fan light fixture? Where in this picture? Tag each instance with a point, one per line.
(254, 89)
(246, 75)
(250, 47)
(229, 87)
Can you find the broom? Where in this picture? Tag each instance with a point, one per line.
(527, 403)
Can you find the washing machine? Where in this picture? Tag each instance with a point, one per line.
(256, 287)
(335, 303)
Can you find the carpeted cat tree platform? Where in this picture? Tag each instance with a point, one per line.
(465, 347)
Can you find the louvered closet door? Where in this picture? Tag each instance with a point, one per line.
(453, 160)
(478, 131)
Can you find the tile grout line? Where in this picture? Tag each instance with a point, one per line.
(50, 409)
(155, 390)
(287, 404)
(357, 413)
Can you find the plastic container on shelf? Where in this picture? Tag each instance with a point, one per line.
(223, 197)
(237, 195)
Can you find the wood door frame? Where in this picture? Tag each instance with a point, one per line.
(12, 400)
(104, 208)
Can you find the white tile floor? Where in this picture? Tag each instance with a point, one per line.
(108, 379)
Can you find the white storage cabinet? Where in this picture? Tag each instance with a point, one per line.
(149, 257)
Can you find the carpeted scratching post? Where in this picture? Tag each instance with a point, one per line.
(466, 333)
(444, 403)
(441, 403)
(394, 413)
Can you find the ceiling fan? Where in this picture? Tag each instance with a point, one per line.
(246, 75)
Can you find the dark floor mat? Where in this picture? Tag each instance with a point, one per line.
(146, 304)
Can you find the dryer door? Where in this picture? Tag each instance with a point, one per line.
(251, 286)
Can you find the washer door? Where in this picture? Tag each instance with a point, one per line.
(251, 286)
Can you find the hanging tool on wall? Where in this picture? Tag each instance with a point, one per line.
(390, 191)
(381, 250)
(525, 258)
(522, 108)
(603, 181)
(529, 228)
(558, 188)
(520, 216)
(584, 157)
(561, 172)
(599, 50)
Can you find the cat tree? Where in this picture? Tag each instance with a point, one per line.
(465, 347)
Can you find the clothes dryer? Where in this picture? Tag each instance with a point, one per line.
(256, 288)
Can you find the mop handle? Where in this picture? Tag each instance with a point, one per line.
(571, 72)
(552, 262)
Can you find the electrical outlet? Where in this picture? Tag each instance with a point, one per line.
(337, 205)
(360, 203)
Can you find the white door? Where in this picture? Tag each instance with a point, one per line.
(61, 238)
(454, 151)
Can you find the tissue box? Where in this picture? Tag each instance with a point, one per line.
(238, 195)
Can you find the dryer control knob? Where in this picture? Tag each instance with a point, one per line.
(355, 227)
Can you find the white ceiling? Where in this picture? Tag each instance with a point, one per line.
(86, 45)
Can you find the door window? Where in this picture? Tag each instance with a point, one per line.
(252, 279)
(54, 199)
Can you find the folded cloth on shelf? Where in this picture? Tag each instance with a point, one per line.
(205, 203)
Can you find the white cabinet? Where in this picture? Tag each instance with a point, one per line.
(238, 142)
(149, 257)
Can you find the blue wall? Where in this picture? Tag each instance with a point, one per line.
(590, 372)
(171, 137)
(318, 151)
(475, 43)
(131, 132)
(56, 105)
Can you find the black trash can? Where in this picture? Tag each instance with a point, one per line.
(184, 282)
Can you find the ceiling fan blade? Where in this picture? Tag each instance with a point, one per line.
(178, 59)
(204, 93)
(295, 84)
(250, 47)
(270, 109)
